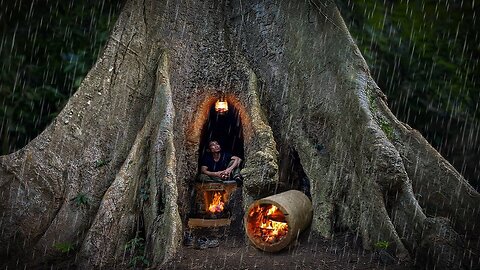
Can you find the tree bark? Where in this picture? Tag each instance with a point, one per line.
(298, 81)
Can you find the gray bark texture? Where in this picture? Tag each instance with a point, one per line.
(119, 157)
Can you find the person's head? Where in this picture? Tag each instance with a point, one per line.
(214, 147)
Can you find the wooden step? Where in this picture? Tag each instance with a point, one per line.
(208, 223)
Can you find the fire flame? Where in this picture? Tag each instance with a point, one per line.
(268, 223)
(217, 205)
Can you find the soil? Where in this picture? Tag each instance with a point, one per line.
(309, 252)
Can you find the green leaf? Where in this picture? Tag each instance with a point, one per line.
(101, 163)
(81, 199)
(382, 244)
(64, 247)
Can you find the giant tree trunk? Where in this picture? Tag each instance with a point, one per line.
(301, 86)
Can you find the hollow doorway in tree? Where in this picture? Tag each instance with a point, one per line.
(219, 204)
(226, 129)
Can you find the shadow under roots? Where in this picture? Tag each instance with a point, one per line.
(291, 173)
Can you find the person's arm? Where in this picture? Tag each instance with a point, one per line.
(204, 170)
(235, 164)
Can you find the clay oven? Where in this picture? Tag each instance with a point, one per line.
(212, 207)
(273, 222)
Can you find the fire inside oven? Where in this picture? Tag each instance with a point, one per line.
(266, 223)
(212, 200)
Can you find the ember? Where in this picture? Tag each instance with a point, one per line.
(217, 204)
(268, 223)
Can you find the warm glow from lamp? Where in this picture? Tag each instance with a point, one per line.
(221, 106)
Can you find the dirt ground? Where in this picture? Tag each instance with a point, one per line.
(309, 252)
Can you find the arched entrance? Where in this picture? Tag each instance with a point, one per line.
(218, 204)
(226, 129)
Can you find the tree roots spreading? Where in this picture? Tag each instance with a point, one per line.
(108, 180)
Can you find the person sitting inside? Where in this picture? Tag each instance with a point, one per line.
(219, 166)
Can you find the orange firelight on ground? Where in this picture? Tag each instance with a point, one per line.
(217, 204)
(268, 223)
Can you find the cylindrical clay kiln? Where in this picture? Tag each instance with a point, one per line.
(273, 222)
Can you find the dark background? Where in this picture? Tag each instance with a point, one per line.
(226, 129)
(423, 54)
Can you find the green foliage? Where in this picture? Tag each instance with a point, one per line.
(144, 194)
(139, 261)
(137, 243)
(382, 245)
(387, 129)
(64, 247)
(423, 54)
(81, 199)
(136, 249)
(46, 51)
(101, 162)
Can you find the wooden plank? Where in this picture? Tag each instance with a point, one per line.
(202, 223)
(201, 187)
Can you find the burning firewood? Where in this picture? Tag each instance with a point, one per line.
(268, 220)
(269, 223)
(217, 204)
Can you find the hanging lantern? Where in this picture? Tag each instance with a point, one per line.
(221, 106)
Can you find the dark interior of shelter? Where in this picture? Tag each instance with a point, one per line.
(226, 129)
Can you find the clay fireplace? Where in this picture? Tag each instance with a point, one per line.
(212, 204)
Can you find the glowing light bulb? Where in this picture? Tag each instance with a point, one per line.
(221, 106)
